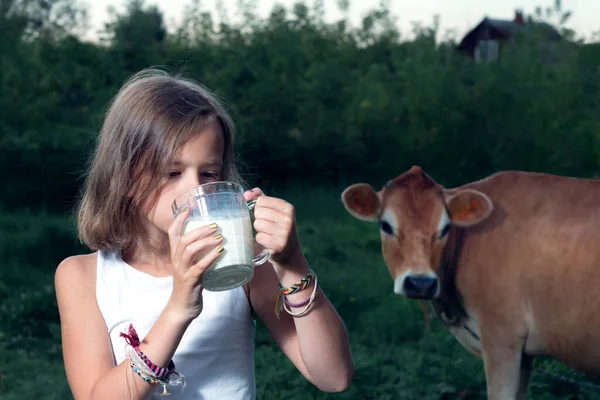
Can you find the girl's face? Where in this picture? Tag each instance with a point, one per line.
(199, 161)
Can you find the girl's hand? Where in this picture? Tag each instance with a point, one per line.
(191, 255)
(275, 224)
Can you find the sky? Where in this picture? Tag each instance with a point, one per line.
(460, 15)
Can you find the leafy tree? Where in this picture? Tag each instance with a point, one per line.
(314, 101)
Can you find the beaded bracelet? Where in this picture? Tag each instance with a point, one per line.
(134, 341)
(146, 369)
(138, 369)
(143, 371)
(295, 288)
(302, 303)
(308, 302)
(161, 373)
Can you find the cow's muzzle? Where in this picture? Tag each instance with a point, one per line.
(424, 287)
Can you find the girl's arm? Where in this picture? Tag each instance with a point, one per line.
(86, 345)
(316, 342)
(87, 351)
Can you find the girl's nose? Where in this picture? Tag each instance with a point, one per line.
(193, 181)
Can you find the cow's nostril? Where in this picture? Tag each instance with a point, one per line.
(420, 287)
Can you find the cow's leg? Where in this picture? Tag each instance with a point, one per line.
(505, 368)
(526, 365)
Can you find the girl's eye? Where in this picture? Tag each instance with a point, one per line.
(211, 175)
(173, 174)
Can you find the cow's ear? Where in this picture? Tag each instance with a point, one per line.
(361, 202)
(468, 207)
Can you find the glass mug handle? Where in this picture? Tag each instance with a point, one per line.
(264, 255)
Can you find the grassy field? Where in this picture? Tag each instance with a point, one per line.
(394, 358)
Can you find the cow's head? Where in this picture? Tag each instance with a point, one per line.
(415, 214)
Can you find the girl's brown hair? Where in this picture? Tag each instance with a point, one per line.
(149, 119)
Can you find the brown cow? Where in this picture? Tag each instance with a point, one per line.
(511, 264)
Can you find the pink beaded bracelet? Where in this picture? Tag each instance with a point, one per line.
(134, 341)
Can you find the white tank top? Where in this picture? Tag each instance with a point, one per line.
(216, 353)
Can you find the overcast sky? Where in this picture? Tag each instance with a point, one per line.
(456, 14)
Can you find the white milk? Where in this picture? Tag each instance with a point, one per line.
(236, 258)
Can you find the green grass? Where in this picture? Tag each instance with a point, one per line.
(394, 358)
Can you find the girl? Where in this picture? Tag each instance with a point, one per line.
(133, 314)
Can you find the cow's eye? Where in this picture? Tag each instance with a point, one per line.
(386, 227)
(444, 231)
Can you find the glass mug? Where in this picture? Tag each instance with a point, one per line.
(223, 203)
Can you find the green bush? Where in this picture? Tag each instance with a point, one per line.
(314, 102)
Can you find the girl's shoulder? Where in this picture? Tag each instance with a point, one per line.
(79, 270)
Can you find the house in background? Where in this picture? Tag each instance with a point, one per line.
(483, 42)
